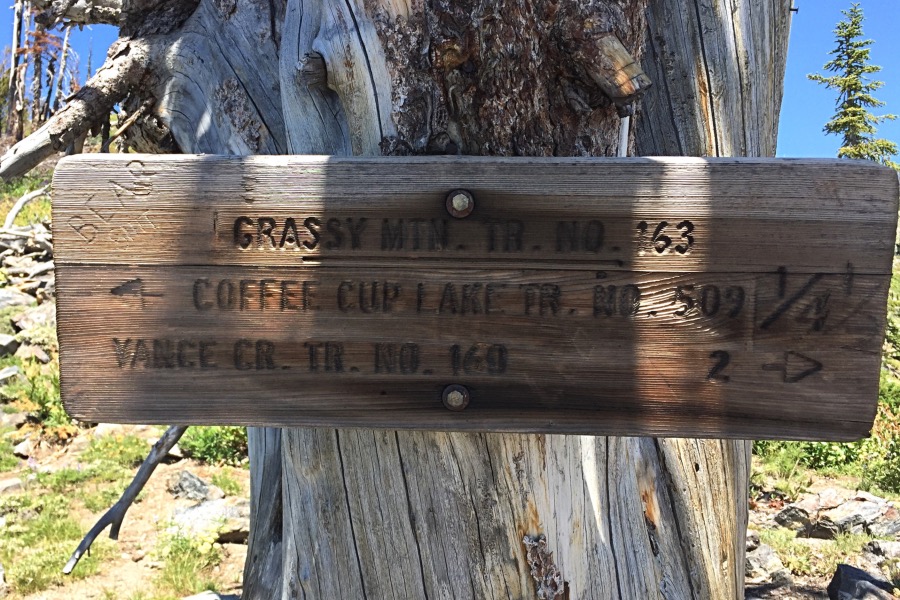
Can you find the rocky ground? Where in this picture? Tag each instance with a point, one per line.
(178, 497)
(831, 542)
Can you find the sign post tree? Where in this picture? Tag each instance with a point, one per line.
(378, 513)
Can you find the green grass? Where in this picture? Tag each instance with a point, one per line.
(188, 564)
(39, 537)
(35, 211)
(227, 483)
(123, 450)
(8, 461)
(803, 559)
(216, 444)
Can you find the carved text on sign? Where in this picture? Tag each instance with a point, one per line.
(724, 298)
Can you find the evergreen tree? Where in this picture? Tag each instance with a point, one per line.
(853, 120)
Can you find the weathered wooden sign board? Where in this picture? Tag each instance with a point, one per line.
(689, 297)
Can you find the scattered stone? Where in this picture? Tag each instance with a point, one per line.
(138, 555)
(12, 297)
(31, 351)
(175, 452)
(884, 549)
(829, 513)
(7, 373)
(14, 420)
(853, 516)
(795, 518)
(39, 316)
(764, 566)
(10, 485)
(108, 429)
(8, 344)
(4, 588)
(185, 484)
(211, 596)
(23, 449)
(78, 444)
(227, 518)
(752, 540)
(215, 493)
(887, 525)
(850, 583)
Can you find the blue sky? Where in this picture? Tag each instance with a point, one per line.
(807, 106)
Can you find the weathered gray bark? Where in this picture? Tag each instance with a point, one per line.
(384, 514)
(14, 64)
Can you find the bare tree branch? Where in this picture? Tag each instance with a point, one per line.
(126, 64)
(116, 514)
(82, 12)
(20, 204)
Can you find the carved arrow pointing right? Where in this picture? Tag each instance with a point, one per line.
(794, 367)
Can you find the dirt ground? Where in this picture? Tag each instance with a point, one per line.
(132, 566)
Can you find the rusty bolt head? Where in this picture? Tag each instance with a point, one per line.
(456, 397)
(460, 203)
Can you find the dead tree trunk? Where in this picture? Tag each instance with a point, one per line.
(14, 65)
(386, 514)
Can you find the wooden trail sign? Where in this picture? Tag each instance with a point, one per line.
(661, 296)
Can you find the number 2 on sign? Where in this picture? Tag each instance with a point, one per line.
(661, 243)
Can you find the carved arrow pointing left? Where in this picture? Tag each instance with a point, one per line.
(133, 288)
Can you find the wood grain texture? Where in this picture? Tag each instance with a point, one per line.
(668, 297)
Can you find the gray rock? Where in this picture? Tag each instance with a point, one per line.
(8, 344)
(30, 351)
(764, 566)
(175, 452)
(752, 540)
(795, 518)
(107, 429)
(14, 420)
(853, 516)
(884, 549)
(7, 373)
(887, 525)
(23, 449)
(212, 596)
(45, 314)
(77, 444)
(227, 518)
(850, 583)
(12, 297)
(8, 486)
(185, 484)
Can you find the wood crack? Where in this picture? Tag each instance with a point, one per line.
(412, 516)
(362, 579)
(676, 516)
(711, 121)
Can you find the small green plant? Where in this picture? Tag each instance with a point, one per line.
(35, 211)
(123, 450)
(38, 392)
(799, 557)
(216, 444)
(8, 461)
(38, 538)
(187, 564)
(65, 479)
(228, 484)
